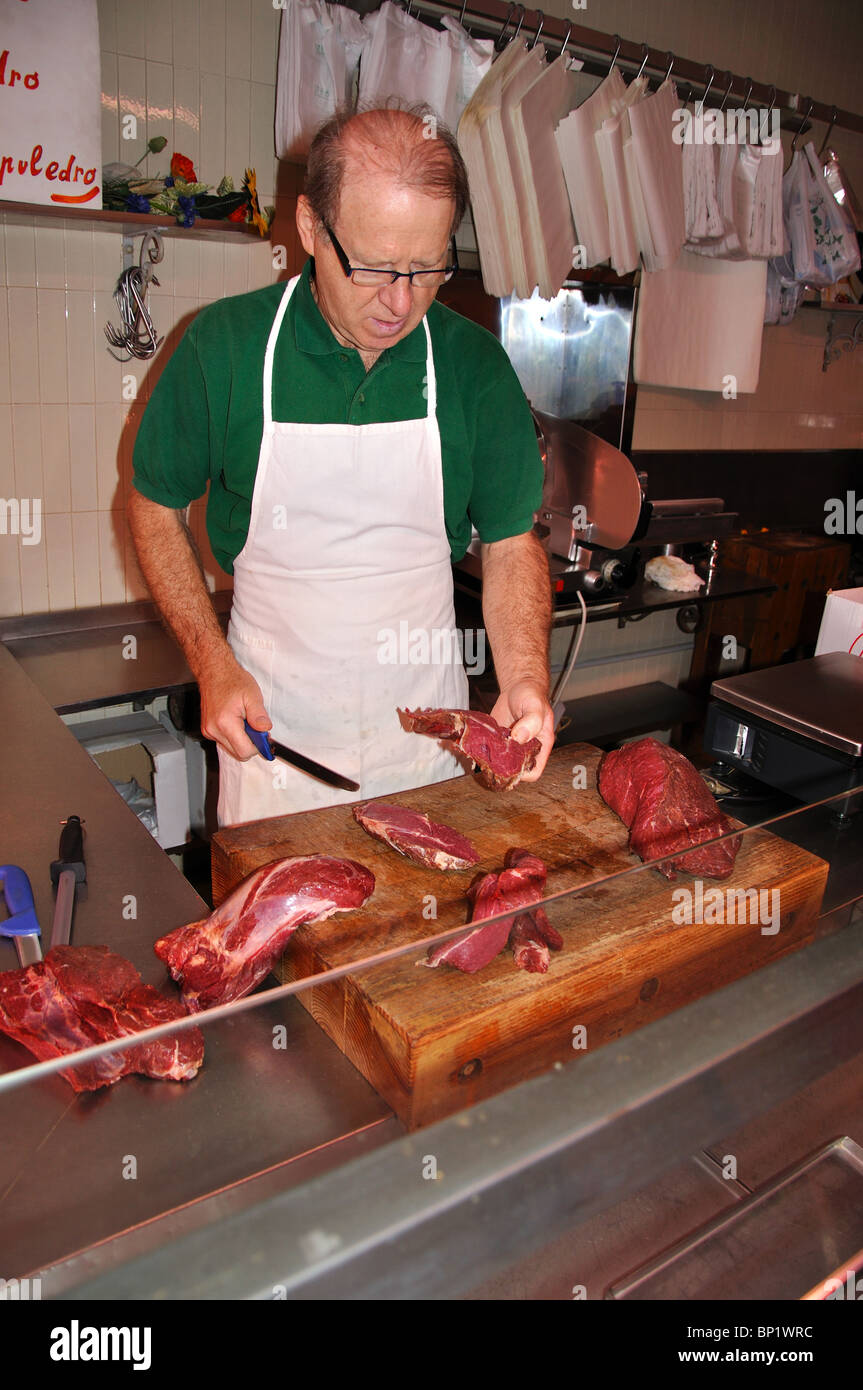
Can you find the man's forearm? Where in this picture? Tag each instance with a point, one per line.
(516, 602)
(170, 565)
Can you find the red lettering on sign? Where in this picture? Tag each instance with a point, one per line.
(5, 165)
(35, 168)
(53, 166)
(32, 81)
(75, 197)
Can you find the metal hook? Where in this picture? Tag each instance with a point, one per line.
(520, 21)
(618, 41)
(566, 41)
(699, 105)
(772, 90)
(670, 56)
(498, 43)
(461, 12)
(646, 52)
(727, 91)
(799, 131)
(833, 114)
(748, 81)
(539, 28)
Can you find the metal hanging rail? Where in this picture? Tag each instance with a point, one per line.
(593, 43)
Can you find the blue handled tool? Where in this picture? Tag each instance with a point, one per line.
(21, 924)
(270, 749)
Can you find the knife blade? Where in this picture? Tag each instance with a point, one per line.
(21, 924)
(69, 876)
(269, 748)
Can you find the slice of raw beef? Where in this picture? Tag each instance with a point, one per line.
(659, 795)
(520, 883)
(499, 760)
(531, 938)
(227, 954)
(413, 834)
(81, 995)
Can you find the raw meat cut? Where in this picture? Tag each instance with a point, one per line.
(520, 883)
(413, 834)
(228, 953)
(531, 938)
(659, 795)
(81, 995)
(500, 761)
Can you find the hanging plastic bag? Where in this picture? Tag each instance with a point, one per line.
(319, 53)
(404, 59)
(798, 264)
(836, 251)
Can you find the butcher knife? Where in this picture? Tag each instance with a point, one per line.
(270, 749)
(69, 876)
(21, 924)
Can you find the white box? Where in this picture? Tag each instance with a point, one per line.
(842, 624)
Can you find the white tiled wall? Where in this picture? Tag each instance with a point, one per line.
(202, 73)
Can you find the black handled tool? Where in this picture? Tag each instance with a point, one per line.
(69, 875)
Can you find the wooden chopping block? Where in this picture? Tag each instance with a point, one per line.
(432, 1041)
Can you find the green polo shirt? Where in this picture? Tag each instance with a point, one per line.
(202, 426)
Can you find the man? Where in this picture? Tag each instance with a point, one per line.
(350, 431)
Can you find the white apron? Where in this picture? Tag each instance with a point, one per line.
(346, 544)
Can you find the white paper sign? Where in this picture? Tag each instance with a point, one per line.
(50, 88)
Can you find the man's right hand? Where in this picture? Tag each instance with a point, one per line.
(230, 695)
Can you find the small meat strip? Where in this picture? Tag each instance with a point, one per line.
(660, 797)
(499, 760)
(411, 833)
(531, 939)
(81, 995)
(231, 951)
(519, 884)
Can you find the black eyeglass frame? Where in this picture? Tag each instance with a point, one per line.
(447, 271)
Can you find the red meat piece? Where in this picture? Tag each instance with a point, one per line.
(520, 883)
(500, 761)
(414, 835)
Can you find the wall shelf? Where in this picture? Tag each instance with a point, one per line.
(132, 223)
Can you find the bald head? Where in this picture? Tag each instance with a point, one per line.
(411, 148)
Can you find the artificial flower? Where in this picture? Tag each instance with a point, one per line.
(182, 168)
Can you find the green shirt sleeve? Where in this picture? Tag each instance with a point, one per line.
(172, 449)
(507, 471)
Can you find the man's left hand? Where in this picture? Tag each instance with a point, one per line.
(525, 707)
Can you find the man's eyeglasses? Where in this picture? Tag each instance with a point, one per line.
(361, 275)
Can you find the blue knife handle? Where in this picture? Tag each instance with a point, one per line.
(19, 900)
(261, 739)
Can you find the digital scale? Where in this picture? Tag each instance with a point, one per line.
(798, 727)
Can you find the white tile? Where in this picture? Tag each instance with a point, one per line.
(261, 269)
(160, 30)
(132, 101)
(187, 113)
(33, 563)
(50, 256)
(109, 107)
(108, 23)
(85, 543)
(51, 314)
(24, 351)
(60, 560)
(107, 262)
(82, 457)
(136, 587)
(10, 576)
(131, 28)
(27, 450)
(112, 559)
(238, 128)
(81, 336)
(109, 420)
(212, 38)
(236, 268)
(186, 18)
(238, 39)
(265, 42)
(108, 371)
(213, 117)
(185, 253)
(5, 385)
(212, 269)
(261, 149)
(7, 453)
(20, 255)
(56, 474)
(160, 113)
(78, 251)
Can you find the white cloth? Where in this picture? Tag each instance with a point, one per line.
(611, 140)
(319, 53)
(699, 323)
(659, 163)
(346, 541)
(407, 59)
(582, 170)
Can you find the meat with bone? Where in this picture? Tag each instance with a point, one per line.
(659, 795)
(81, 995)
(228, 953)
(531, 938)
(499, 760)
(414, 835)
(520, 883)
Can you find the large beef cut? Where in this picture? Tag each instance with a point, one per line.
(228, 953)
(659, 795)
(500, 760)
(413, 834)
(520, 883)
(81, 995)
